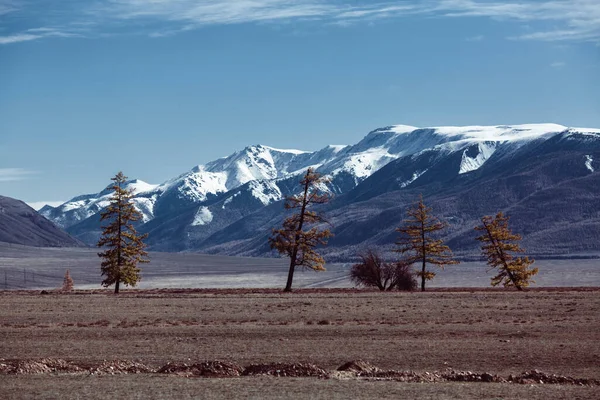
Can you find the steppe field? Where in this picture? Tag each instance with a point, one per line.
(239, 343)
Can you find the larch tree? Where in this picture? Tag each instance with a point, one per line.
(418, 242)
(124, 247)
(498, 246)
(294, 239)
(68, 283)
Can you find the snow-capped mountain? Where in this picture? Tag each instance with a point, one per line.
(194, 210)
(87, 205)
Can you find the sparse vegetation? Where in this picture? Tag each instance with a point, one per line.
(498, 244)
(373, 271)
(418, 244)
(293, 239)
(67, 282)
(125, 248)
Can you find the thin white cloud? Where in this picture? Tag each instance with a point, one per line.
(38, 205)
(564, 35)
(209, 12)
(577, 20)
(558, 64)
(552, 20)
(14, 174)
(377, 11)
(476, 38)
(8, 6)
(34, 34)
(22, 37)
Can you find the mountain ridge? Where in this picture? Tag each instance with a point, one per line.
(185, 212)
(21, 224)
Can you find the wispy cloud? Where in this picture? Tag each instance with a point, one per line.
(476, 38)
(21, 37)
(36, 33)
(14, 174)
(558, 64)
(8, 6)
(552, 20)
(571, 19)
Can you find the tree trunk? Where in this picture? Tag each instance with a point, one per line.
(288, 285)
(423, 252)
(423, 277)
(119, 244)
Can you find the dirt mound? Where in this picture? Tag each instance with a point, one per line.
(42, 366)
(291, 370)
(533, 377)
(221, 369)
(358, 366)
(5, 367)
(31, 367)
(400, 376)
(118, 367)
(468, 376)
(539, 377)
(210, 369)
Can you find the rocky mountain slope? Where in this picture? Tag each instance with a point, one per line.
(544, 175)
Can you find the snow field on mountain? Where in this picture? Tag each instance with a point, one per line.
(203, 217)
(588, 163)
(468, 164)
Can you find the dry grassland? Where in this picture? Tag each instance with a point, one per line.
(497, 332)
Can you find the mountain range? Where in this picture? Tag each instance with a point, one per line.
(543, 175)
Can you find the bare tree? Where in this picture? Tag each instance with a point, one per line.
(373, 271)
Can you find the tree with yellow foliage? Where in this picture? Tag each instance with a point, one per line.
(498, 244)
(293, 239)
(67, 282)
(418, 242)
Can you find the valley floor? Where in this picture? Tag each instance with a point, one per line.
(499, 332)
(44, 268)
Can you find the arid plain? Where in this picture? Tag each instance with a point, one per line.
(430, 336)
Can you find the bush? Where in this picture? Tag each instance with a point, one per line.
(373, 271)
(405, 277)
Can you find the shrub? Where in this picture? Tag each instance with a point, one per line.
(373, 271)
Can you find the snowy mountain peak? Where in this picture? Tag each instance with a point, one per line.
(397, 129)
(482, 132)
(291, 151)
(402, 128)
(502, 132)
(139, 186)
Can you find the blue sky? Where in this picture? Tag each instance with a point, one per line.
(155, 87)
